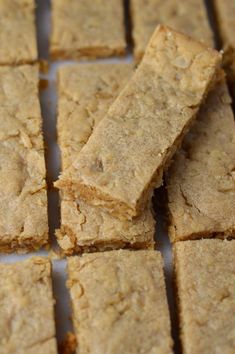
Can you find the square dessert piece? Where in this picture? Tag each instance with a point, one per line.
(201, 180)
(85, 94)
(205, 278)
(119, 302)
(87, 28)
(18, 34)
(26, 312)
(124, 159)
(188, 16)
(23, 212)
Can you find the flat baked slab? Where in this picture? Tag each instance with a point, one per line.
(225, 13)
(87, 28)
(205, 275)
(124, 158)
(26, 311)
(18, 33)
(201, 180)
(119, 302)
(23, 212)
(188, 16)
(85, 94)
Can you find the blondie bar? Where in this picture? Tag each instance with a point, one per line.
(23, 195)
(189, 16)
(26, 313)
(87, 28)
(125, 157)
(201, 180)
(18, 34)
(119, 303)
(205, 281)
(85, 94)
(225, 13)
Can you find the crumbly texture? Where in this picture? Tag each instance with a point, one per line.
(119, 303)
(18, 33)
(124, 158)
(225, 13)
(201, 180)
(26, 311)
(85, 228)
(23, 212)
(85, 94)
(87, 28)
(187, 16)
(205, 277)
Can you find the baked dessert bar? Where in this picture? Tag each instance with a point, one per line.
(23, 212)
(26, 312)
(124, 158)
(189, 16)
(87, 28)
(85, 94)
(225, 14)
(18, 34)
(119, 302)
(206, 293)
(201, 180)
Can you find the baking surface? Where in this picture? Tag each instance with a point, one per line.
(48, 99)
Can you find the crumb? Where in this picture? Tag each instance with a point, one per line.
(44, 66)
(43, 84)
(69, 344)
(56, 254)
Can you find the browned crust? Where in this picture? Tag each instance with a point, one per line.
(87, 53)
(25, 246)
(99, 245)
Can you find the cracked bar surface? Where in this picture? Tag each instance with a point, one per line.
(206, 295)
(18, 33)
(189, 16)
(26, 312)
(85, 94)
(201, 180)
(119, 302)
(124, 158)
(225, 14)
(23, 212)
(87, 28)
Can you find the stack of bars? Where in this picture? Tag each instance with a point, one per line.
(123, 129)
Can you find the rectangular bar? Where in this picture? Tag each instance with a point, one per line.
(125, 157)
(18, 34)
(87, 28)
(225, 13)
(119, 302)
(85, 94)
(23, 212)
(26, 312)
(201, 180)
(188, 16)
(206, 293)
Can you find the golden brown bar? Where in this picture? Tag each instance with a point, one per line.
(26, 312)
(188, 16)
(201, 180)
(23, 212)
(18, 33)
(125, 157)
(85, 94)
(206, 293)
(87, 28)
(225, 13)
(119, 303)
